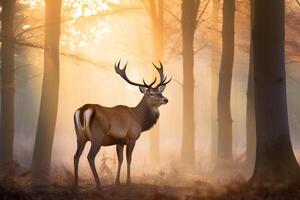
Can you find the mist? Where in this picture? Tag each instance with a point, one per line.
(93, 36)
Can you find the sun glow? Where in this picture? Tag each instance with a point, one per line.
(26, 26)
(88, 8)
(33, 3)
(78, 30)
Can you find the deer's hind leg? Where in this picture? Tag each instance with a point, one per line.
(80, 147)
(95, 147)
(81, 141)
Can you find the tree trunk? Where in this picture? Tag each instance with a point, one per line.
(224, 155)
(189, 13)
(214, 66)
(7, 86)
(156, 12)
(250, 115)
(275, 160)
(50, 90)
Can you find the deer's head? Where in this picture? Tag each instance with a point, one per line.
(153, 95)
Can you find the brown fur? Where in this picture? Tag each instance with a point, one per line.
(119, 125)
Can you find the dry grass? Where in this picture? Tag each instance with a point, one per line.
(166, 183)
(160, 187)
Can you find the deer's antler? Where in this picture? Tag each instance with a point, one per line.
(122, 73)
(162, 77)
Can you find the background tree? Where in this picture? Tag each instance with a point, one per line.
(156, 12)
(214, 66)
(188, 24)
(250, 115)
(50, 89)
(224, 153)
(7, 85)
(275, 160)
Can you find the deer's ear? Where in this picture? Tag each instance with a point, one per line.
(161, 88)
(143, 89)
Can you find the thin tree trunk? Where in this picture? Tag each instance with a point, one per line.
(189, 13)
(50, 89)
(214, 66)
(156, 9)
(275, 160)
(250, 115)
(7, 86)
(224, 155)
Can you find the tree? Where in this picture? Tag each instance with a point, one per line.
(7, 85)
(157, 20)
(214, 66)
(188, 25)
(275, 160)
(156, 12)
(250, 115)
(50, 89)
(224, 152)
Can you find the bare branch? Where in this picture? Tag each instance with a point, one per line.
(29, 30)
(173, 15)
(242, 13)
(73, 56)
(178, 82)
(101, 14)
(199, 49)
(214, 29)
(197, 5)
(202, 12)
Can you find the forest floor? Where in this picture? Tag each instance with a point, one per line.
(159, 187)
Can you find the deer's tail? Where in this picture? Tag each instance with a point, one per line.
(82, 121)
(78, 123)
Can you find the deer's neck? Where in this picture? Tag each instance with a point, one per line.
(146, 114)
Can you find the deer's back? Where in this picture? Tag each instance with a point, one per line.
(117, 122)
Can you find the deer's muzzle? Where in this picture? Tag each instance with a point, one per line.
(165, 100)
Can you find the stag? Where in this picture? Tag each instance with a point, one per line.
(120, 125)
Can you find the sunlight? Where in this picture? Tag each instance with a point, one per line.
(26, 26)
(88, 8)
(33, 3)
(170, 95)
(78, 31)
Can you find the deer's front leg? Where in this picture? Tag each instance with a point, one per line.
(129, 150)
(119, 149)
